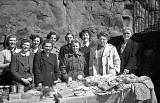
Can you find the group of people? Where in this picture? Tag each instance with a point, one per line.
(43, 63)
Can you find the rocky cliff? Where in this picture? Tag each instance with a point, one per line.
(24, 17)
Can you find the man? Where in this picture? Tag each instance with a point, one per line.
(5, 59)
(127, 52)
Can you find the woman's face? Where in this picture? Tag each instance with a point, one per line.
(53, 38)
(36, 42)
(85, 37)
(103, 40)
(12, 42)
(47, 47)
(127, 34)
(26, 46)
(75, 47)
(69, 38)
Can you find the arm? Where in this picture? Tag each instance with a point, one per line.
(56, 68)
(3, 63)
(92, 62)
(116, 60)
(36, 69)
(60, 57)
(61, 53)
(14, 69)
(63, 70)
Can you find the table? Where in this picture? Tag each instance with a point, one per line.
(122, 97)
(125, 97)
(46, 100)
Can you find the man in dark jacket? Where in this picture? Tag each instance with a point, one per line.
(127, 51)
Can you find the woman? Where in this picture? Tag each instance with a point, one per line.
(5, 59)
(73, 64)
(36, 43)
(54, 38)
(104, 58)
(66, 49)
(127, 51)
(45, 66)
(21, 65)
(85, 35)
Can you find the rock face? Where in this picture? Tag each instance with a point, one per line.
(24, 17)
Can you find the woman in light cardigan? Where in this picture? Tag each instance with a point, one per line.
(104, 58)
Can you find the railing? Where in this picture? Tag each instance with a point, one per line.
(146, 15)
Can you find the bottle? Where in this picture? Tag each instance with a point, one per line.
(20, 89)
(1, 89)
(6, 92)
(13, 89)
(6, 88)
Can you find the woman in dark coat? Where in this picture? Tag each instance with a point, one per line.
(45, 66)
(85, 35)
(21, 65)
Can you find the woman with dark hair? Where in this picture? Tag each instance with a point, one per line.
(36, 43)
(104, 58)
(5, 59)
(66, 49)
(45, 66)
(73, 65)
(54, 38)
(21, 65)
(85, 35)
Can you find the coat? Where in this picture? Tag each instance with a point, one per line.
(110, 60)
(86, 51)
(128, 56)
(66, 49)
(45, 68)
(73, 65)
(18, 69)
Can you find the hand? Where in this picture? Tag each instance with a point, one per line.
(112, 71)
(126, 71)
(70, 79)
(80, 77)
(40, 85)
(7, 64)
(110, 64)
(26, 81)
(29, 79)
(57, 81)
